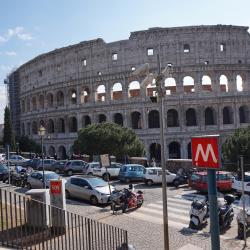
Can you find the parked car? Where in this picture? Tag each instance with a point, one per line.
(131, 172)
(237, 183)
(58, 166)
(35, 180)
(2, 157)
(46, 163)
(199, 181)
(17, 160)
(4, 173)
(89, 168)
(89, 188)
(33, 163)
(154, 175)
(109, 172)
(74, 166)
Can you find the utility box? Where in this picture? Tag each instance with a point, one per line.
(38, 207)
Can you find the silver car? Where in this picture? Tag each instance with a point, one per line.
(35, 180)
(90, 188)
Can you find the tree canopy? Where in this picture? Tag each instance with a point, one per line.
(236, 145)
(29, 145)
(8, 135)
(108, 138)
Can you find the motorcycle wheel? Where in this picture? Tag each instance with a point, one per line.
(176, 183)
(140, 204)
(240, 231)
(192, 225)
(124, 208)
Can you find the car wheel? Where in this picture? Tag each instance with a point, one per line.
(106, 177)
(67, 194)
(28, 186)
(93, 200)
(127, 180)
(176, 183)
(90, 173)
(70, 172)
(57, 171)
(149, 182)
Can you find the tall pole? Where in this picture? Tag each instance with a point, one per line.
(8, 161)
(44, 186)
(163, 162)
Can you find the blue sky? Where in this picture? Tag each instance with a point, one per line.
(31, 27)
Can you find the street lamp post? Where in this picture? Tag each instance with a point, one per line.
(17, 147)
(41, 133)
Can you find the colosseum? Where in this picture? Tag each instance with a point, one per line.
(208, 91)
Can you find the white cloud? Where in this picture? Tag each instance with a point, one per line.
(5, 68)
(18, 32)
(10, 53)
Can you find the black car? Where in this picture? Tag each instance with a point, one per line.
(32, 163)
(3, 173)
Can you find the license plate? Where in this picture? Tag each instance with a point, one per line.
(195, 221)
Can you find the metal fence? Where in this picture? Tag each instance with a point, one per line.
(29, 224)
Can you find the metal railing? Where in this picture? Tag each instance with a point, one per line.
(30, 224)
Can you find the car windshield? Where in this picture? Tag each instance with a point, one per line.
(3, 167)
(51, 176)
(95, 182)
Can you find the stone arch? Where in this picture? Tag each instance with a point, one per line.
(228, 115)
(243, 114)
(206, 83)
(86, 121)
(239, 83)
(172, 118)
(50, 100)
(72, 124)
(170, 86)
(85, 95)
(60, 98)
(155, 151)
(34, 128)
(174, 150)
(72, 96)
(101, 93)
(134, 89)
(223, 83)
(188, 84)
(102, 118)
(61, 125)
(153, 119)
(51, 127)
(34, 104)
(52, 151)
(209, 116)
(41, 101)
(189, 150)
(118, 119)
(62, 153)
(116, 93)
(136, 120)
(191, 119)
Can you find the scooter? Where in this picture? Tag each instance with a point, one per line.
(180, 180)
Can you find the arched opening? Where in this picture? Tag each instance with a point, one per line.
(23, 129)
(118, 119)
(62, 153)
(102, 118)
(155, 151)
(172, 118)
(186, 48)
(51, 151)
(85, 95)
(189, 149)
(60, 98)
(34, 128)
(50, 100)
(61, 125)
(170, 86)
(41, 102)
(134, 89)
(243, 114)
(116, 91)
(227, 115)
(223, 83)
(73, 97)
(51, 128)
(191, 117)
(151, 90)
(101, 93)
(153, 119)
(209, 116)
(34, 106)
(136, 120)
(206, 84)
(72, 124)
(188, 83)
(174, 150)
(86, 121)
(239, 83)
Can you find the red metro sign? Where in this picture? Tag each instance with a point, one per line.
(205, 152)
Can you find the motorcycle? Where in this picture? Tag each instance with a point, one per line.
(180, 180)
(240, 216)
(126, 199)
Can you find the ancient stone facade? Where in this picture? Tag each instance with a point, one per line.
(208, 91)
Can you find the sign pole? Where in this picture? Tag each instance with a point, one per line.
(213, 210)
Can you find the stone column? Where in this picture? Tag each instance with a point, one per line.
(145, 118)
(179, 84)
(216, 84)
(232, 83)
(198, 83)
(79, 121)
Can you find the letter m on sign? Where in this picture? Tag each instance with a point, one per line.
(205, 152)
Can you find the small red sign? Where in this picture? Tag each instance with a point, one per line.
(205, 152)
(55, 187)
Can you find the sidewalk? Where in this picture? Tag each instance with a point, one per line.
(190, 247)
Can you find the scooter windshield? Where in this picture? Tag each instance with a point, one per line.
(245, 198)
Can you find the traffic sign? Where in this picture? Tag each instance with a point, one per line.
(205, 151)
(56, 187)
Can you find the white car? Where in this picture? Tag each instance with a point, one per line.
(154, 175)
(237, 185)
(2, 157)
(17, 159)
(109, 172)
(89, 168)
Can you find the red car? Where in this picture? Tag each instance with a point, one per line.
(199, 181)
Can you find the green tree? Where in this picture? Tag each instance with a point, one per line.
(8, 135)
(28, 145)
(234, 146)
(108, 138)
